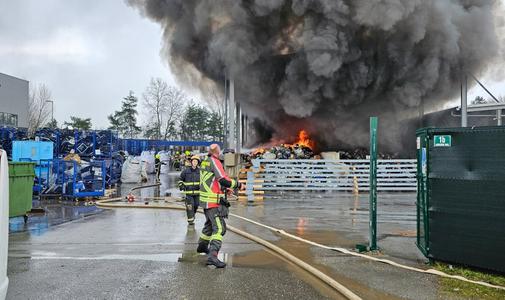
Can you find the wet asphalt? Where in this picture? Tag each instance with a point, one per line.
(81, 252)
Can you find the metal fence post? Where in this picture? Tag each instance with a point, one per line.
(249, 188)
(373, 183)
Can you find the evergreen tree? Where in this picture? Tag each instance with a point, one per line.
(52, 124)
(125, 120)
(194, 123)
(479, 100)
(78, 123)
(214, 127)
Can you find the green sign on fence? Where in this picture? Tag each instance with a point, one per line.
(442, 141)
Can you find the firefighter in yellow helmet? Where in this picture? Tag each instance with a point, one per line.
(187, 159)
(189, 184)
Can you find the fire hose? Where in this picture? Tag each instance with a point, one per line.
(284, 254)
(318, 274)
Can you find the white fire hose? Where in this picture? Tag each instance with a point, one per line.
(284, 254)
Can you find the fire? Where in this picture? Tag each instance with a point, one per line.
(258, 151)
(304, 140)
(302, 148)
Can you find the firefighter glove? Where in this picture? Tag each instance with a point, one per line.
(223, 210)
(224, 202)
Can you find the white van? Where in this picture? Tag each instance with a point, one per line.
(4, 222)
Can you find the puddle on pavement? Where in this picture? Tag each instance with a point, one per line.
(267, 259)
(270, 260)
(303, 252)
(193, 257)
(164, 257)
(324, 237)
(54, 213)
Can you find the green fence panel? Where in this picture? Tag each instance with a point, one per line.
(461, 196)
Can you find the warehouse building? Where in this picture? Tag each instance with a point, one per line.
(14, 101)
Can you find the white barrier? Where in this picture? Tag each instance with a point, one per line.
(327, 175)
(4, 222)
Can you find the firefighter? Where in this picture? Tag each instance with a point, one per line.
(187, 159)
(157, 164)
(177, 161)
(189, 184)
(214, 182)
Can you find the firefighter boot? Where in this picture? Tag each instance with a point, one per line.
(212, 260)
(203, 248)
(190, 213)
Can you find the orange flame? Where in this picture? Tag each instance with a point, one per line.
(304, 140)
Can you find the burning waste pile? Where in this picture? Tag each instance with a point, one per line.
(305, 148)
(301, 149)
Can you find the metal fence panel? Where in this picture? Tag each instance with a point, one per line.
(331, 175)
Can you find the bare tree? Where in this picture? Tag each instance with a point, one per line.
(155, 100)
(175, 108)
(39, 112)
(165, 105)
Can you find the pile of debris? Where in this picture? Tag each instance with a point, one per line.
(303, 149)
(296, 151)
(362, 153)
(284, 151)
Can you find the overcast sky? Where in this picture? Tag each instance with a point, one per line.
(89, 53)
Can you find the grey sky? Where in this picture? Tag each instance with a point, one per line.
(89, 53)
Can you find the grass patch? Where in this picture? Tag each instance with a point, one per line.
(470, 290)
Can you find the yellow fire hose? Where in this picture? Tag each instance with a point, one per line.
(334, 284)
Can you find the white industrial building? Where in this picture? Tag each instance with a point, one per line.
(14, 101)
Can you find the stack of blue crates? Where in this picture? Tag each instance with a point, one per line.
(41, 153)
(10, 134)
(90, 145)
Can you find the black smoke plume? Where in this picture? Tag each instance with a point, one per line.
(327, 65)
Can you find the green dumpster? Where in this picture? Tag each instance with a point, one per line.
(21, 175)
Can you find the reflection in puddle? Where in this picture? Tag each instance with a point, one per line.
(165, 257)
(301, 226)
(54, 213)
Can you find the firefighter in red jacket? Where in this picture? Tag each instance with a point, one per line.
(214, 182)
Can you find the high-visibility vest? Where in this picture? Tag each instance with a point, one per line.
(211, 171)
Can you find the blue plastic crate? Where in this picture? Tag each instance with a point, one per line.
(32, 150)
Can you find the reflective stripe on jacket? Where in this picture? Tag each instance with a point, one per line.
(190, 178)
(211, 172)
